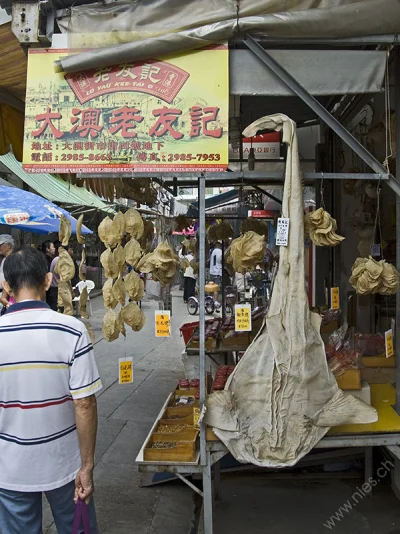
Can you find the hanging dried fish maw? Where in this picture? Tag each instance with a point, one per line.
(119, 258)
(79, 235)
(65, 297)
(110, 327)
(83, 298)
(119, 291)
(371, 276)
(108, 263)
(64, 233)
(134, 223)
(133, 316)
(107, 234)
(134, 286)
(246, 252)
(108, 296)
(121, 324)
(65, 266)
(118, 225)
(133, 252)
(254, 225)
(321, 228)
(82, 267)
(146, 264)
(224, 231)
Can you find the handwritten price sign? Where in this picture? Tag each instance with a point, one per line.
(242, 318)
(335, 298)
(389, 343)
(125, 370)
(163, 323)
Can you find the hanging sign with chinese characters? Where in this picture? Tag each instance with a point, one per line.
(168, 115)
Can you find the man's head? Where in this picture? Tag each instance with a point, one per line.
(48, 248)
(6, 245)
(26, 275)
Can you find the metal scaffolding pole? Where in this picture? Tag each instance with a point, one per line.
(397, 336)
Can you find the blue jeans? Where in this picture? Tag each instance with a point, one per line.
(21, 512)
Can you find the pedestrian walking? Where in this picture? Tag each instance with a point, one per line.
(48, 411)
(6, 248)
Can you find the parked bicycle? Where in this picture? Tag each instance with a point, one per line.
(211, 305)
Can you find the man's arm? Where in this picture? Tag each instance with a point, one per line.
(86, 426)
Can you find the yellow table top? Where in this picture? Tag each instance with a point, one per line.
(383, 398)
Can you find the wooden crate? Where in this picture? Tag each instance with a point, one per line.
(242, 339)
(378, 361)
(184, 451)
(182, 411)
(187, 434)
(351, 379)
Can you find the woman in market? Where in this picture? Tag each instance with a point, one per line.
(6, 248)
(189, 278)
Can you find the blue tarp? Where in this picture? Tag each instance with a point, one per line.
(32, 213)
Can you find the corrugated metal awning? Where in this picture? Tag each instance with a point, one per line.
(53, 188)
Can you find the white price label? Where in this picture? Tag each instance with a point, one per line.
(282, 232)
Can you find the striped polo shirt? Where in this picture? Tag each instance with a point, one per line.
(46, 361)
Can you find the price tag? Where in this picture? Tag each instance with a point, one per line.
(389, 343)
(163, 323)
(242, 318)
(125, 370)
(335, 304)
(282, 232)
(196, 417)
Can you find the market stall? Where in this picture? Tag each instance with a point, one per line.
(193, 432)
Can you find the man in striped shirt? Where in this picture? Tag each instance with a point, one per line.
(48, 412)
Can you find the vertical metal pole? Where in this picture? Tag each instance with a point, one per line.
(205, 457)
(202, 283)
(397, 108)
(368, 466)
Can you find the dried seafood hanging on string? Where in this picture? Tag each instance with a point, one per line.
(109, 265)
(162, 263)
(219, 232)
(83, 298)
(134, 286)
(110, 327)
(133, 316)
(65, 266)
(108, 296)
(134, 223)
(321, 228)
(107, 233)
(371, 276)
(79, 236)
(246, 252)
(64, 233)
(133, 252)
(254, 225)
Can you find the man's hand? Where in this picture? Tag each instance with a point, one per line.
(84, 486)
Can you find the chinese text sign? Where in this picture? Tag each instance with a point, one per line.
(166, 115)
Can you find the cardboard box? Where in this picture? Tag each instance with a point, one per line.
(351, 379)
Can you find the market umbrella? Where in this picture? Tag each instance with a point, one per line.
(32, 213)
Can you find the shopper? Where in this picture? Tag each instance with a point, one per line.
(49, 251)
(48, 435)
(189, 278)
(6, 248)
(216, 264)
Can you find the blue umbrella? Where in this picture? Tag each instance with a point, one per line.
(32, 213)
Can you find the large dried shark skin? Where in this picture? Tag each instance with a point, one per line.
(282, 398)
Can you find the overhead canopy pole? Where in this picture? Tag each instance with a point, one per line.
(319, 109)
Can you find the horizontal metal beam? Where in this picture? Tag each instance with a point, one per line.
(319, 109)
(248, 175)
(338, 41)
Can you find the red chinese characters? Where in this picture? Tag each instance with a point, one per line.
(200, 118)
(166, 119)
(124, 119)
(158, 78)
(46, 120)
(86, 122)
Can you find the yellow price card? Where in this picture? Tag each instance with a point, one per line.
(389, 343)
(163, 323)
(335, 302)
(242, 318)
(125, 370)
(196, 417)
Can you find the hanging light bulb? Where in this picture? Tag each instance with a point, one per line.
(252, 160)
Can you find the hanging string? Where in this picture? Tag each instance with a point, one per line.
(388, 123)
(377, 223)
(237, 15)
(322, 192)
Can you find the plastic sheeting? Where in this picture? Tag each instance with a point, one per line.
(151, 28)
(282, 398)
